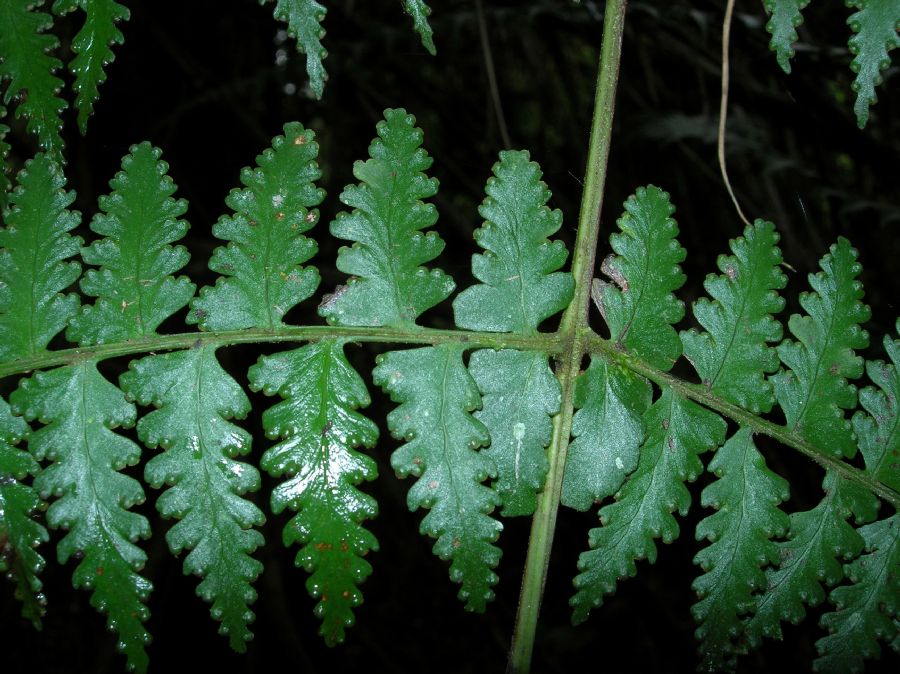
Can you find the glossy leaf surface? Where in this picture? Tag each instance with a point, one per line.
(519, 396)
(320, 468)
(34, 248)
(746, 497)
(133, 285)
(92, 49)
(608, 430)
(26, 62)
(520, 282)
(196, 399)
(678, 430)
(262, 265)
(638, 306)
(304, 24)
(92, 502)
(784, 19)
(441, 440)
(419, 11)
(875, 28)
(387, 286)
(813, 391)
(4, 166)
(732, 356)
(19, 533)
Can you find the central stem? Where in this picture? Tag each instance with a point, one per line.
(573, 331)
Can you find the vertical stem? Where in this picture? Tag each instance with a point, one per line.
(572, 330)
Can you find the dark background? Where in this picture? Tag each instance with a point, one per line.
(205, 82)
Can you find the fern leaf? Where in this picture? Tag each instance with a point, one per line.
(4, 168)
(80, 408)
(320, 429)
(34, 247)
(26, 62)
(262, 263)
(419, 11)
(639, 306)
(436, 396)
(304, 23)
(814, 391)
(746, 497)
(92, 49)
(608, 429)
(785, 17)
(196, 398)
(875, 26)
(521, 285)
(678, 430)
(134, 288)
(19, 534)
(732, 358)
(519, 396)
(879, 431)
(387, 286)
(816, 539)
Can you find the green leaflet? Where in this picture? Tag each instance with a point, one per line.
(808, 557)
(92, 49)
(746, 497)
(678, 430)
(319, 429)
(732, 358)
(262, 263)
(879, 434)
(4, 168)
(304, 24)
(196, 398)
(80, 408)
(419, 11)
(785, 19)
(387, 286)
(33, 249)
(813, 391)
(436, 396)
(519, 289)
(608, 431)
(639, 306)
(519, 395)
(19, 534)
(25, 60)
(867, 606)
(875, 26)
(134, 288)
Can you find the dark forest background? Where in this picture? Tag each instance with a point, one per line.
(212, 82)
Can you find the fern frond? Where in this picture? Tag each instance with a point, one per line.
(387, 286)
(92, 49)
(746, 498)
(678, 430)
(134, 288)
(196, 398)
(638, 306)
(5, 184)
(732, 358)
(262, 270)
(320, 430)
(419, 11)
(80, 409)
(813, 391)
(304, 23)
(520, 282)
(26, 62)
(785, 17)
(436, 396)
(607, 397)
(879, 430)
(34, 248)
(875, 28)
(519, 395)
(19, 534)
